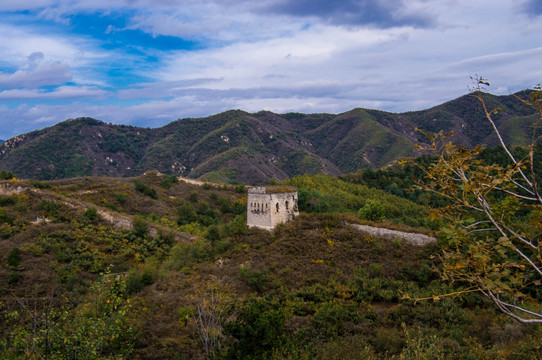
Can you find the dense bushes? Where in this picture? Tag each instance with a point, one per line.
(145, 189)
(169, 181)
(321, 193)
(5, 175)
(98, 329)
(258, 329)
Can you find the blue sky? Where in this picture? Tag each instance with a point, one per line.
(150, 62)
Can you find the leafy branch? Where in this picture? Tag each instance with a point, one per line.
(495, 215)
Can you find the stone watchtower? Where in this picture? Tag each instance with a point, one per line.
(271, 205)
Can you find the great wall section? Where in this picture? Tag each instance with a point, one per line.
(123, 221)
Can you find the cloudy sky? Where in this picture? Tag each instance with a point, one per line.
(149, 62)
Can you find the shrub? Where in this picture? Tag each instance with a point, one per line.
(13, 278)
(329, 320)
(14, 257)
(183, 254)
(187, 214)
(145, 189)
(237, 226)
(5, 218)
(239, 207)
(169, 181)
(140, 227)
(184, 314)
(121, 198)
(388, 341)
(256, 279)
(257, 330)
(214, 198)
(4, 175)
(225, 204)
(193, 197)
(90, 214)
(372, 210)
(136, 281)
(213, 234)
(206, 215)
(7, 200)
(50, 208)
(200, 250)
(40, 184)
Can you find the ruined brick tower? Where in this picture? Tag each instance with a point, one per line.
(271, 205)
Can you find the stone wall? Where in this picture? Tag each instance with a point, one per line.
(413, 238)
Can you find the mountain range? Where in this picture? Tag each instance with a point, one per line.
(255, 147)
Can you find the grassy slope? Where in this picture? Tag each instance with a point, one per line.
(334, 292)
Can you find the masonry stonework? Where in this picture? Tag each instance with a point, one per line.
(271, 205)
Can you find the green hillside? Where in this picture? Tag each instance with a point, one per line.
(101, 267)
(236, 146)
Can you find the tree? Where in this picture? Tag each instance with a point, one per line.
(98, 328)
(493, 243)
(140, 227)
(187, 214)
(212, 303)
(257, 331)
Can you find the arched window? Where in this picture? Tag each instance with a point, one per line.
(286, 204)
(277, 207)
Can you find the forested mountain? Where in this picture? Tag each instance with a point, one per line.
(253, 148)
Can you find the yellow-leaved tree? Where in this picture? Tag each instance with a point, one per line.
(493, 242)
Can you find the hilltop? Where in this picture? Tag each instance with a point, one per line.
(253, 148)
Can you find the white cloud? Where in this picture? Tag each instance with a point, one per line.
(61, 92)
(40, 75)
(21, 5)
(304, 57)
(17, 42)
(253, 60)
(175, 25)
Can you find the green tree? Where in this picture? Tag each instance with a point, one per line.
(5, 175)
(140, 227)
(96, 329)
(90, 214)
(187, 214)
(258, 330)
(372, 210)
(145, 189)
(495, 211)
(14, 257)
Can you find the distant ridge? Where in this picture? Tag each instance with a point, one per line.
(253, 148)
